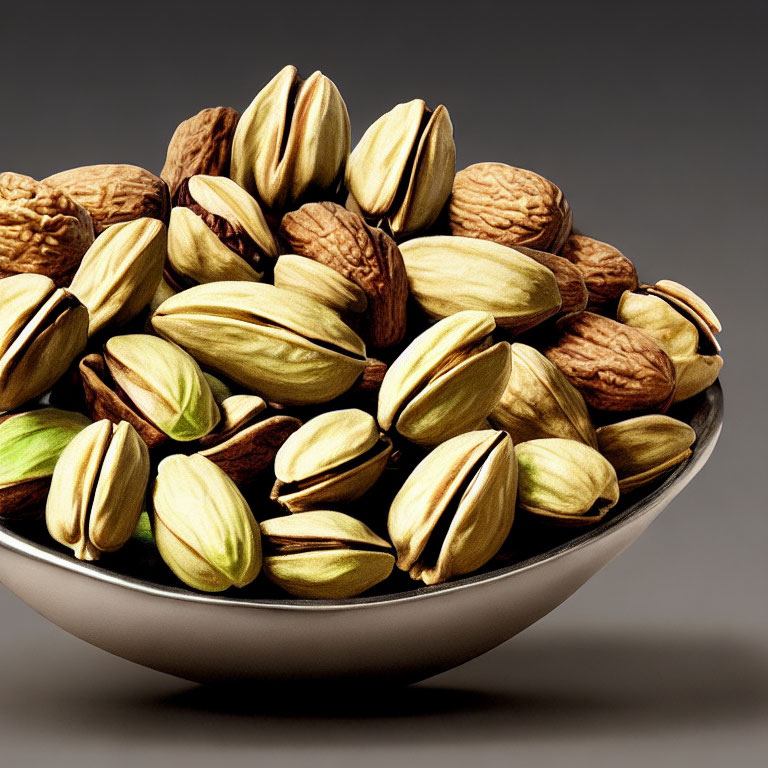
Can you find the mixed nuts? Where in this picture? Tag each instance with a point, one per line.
(280, 357)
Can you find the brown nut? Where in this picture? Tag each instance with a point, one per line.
(41, 229)
(607, 271)
(508, 205)
(115, 193)
(614, 366)
(332, 235)
(202, 144)
(570, 282)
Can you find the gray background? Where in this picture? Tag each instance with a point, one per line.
(652, 118)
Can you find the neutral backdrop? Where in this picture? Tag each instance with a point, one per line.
(652, 119)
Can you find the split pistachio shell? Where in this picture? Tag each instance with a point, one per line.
(218, 232)
(402, 169)
(644, 448)
(320, 282)
(120, 272)
(97, 489)
(539, 401)
(204, 528)
(164, 383)
(456, 508)
(565, 481)
(30, 446)
(681, 335)
(42, 330)
(292, 143)
(288, 351)
(324, 554)
(450, 274)
(446, 381)
(333, 458)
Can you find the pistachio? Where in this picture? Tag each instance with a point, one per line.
(565, 481)
(200, 144)
(456, 508)
(324, 554)
(510, 206)
(683, 326)
(30, 444)
(446, 381)
(607, 271)
(97, 489)
(570, 283)
(120, 272)
(321, 283)
(644, 448)
(332, 235)
(260, 337)
(334, 458)
(204, 529)
(539, 402)
(42, 229)
(115, 193)
(291, 144)
(218, 232)
(449, 274)
(614, 366)
(164, 383)
(401, 171)
(42, 330)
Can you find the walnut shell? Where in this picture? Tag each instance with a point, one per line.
(570, 282)
(607, 271)
(41, 229)
(614, 366)
(508, 205)
(115, 193)
(201, 144)
(332, 235)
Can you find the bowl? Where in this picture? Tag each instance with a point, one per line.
(394, 637)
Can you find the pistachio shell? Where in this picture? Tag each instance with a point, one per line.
(287, 351)
(164, 383)
(319, 525)
(449, 274)
(97, 489)
(472, 478)
(539, 401)
(120, 272)
(643, 448)
(565, 481)
(204, 529)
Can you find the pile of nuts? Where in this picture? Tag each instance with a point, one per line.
(350, 326)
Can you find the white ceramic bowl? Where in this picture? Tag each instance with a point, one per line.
(406, 636)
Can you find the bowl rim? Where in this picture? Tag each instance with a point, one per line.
(707, 418)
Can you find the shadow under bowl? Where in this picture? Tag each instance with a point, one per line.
(398, 637)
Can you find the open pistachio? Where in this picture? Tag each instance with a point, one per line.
(291, 144)
(539, 401)
(446, 381)
(42, 330)
(683, 326)
(97, 489)
(204, 529)
(565, 481)
(320, 282)
(324, 554)
(288, 351)
(218, 232)
(120, 272)
(449, 274)
(30, 444)
(164, 383)
(455, 510)
(644, 448)
(402, 169)
(334, 458)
